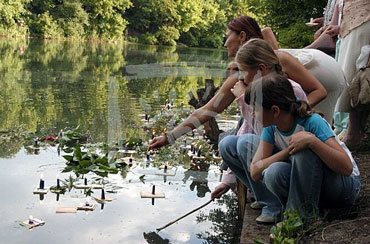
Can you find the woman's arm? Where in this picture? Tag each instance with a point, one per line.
(223, 98)
(330, 152)
(296, 71)
(335, 18)
(269, 36)
(333, 28)
(264, 158)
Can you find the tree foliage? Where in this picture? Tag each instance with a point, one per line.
(191, 22)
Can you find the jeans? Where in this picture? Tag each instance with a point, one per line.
(305, 182)
(238, 152)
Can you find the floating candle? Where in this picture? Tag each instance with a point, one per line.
(42, 183)
(30, 220)
(36, 142)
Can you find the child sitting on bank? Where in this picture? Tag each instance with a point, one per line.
(299, 158)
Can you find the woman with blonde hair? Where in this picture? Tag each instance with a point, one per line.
(239, 31)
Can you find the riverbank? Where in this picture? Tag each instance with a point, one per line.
(350, 225)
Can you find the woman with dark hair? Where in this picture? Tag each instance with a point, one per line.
(240, 31)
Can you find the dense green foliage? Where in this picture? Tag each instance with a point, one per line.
(191, 22)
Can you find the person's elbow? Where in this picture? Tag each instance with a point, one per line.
(323, 93)
(348, 169)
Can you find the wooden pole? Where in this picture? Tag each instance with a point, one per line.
(192, 211)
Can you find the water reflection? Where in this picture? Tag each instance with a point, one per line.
(102, 88)
(154, 238)
(224, 222)
(198, 173)
(56, 84)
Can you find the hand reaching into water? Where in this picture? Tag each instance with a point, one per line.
(219, 191)
(158, 142)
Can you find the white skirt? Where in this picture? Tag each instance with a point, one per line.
(327, 71)
(350, 49)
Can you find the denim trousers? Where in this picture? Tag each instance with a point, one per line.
(238, 152)
(305, 182)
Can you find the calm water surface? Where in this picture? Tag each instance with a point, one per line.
(103, 88)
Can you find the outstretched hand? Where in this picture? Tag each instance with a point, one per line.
(319, 21)
(158, 142)
(219, 190)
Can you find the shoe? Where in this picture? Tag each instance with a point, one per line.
(263, 219)
(255, 205)
(279, 224)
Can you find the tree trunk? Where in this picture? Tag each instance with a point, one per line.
(204, 95)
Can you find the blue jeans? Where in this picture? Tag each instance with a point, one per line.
(238, 152)
(305, 182)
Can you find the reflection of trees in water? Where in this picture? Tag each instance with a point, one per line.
(226, 227)
(154, 238)
(55, 84)
(10, 146)
(199, 174)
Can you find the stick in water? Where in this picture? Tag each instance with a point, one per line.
(192, 211)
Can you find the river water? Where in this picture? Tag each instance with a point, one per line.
(53, 85)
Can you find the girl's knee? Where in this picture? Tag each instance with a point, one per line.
(276, 176)
(226, 143)
(248, 142)
(305, 155)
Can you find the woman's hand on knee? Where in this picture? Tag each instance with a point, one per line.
(300, 141)
(219, 190)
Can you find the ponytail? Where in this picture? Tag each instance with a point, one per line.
(279, 69)
(303, 109)
(277, 90)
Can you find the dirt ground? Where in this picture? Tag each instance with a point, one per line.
(350, 225)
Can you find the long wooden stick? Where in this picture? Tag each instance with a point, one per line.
(192, 211)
